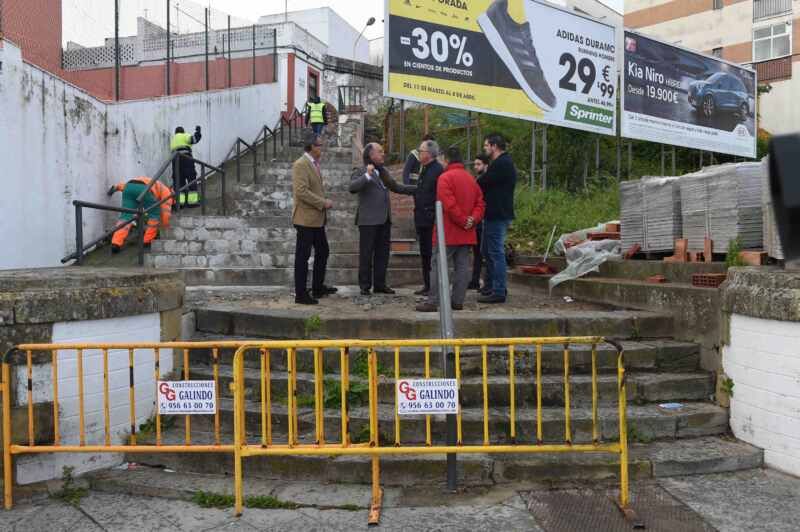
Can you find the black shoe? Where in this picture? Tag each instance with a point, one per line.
(325, 291)
(305, 299)
(115, 249)
(427, 307)
(492, 298)
(486, 291)
(456, 306)
(474, 285)
(422, 292)
(365, 292)
(384, 290)
(514, 45)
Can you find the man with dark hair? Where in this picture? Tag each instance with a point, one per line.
(498, 184)
(308, 217)
(425, 207)
(413, 162)
(462, 209)
(480, 165)
(372, 183)
(183, 169)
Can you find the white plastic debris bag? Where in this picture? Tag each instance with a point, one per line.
(585, 258)
(559, 248)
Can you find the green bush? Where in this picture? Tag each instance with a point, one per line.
(538, 211)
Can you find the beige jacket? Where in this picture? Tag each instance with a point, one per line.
(308, 194)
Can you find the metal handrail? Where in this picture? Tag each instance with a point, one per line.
(264, 135)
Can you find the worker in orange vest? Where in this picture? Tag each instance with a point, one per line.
(131, 190)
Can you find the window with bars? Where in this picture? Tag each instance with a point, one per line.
(772, 42)
(717, 52)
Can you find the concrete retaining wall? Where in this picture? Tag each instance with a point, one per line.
(58, 144)
(762, 361)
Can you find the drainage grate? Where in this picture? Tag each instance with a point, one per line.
(583, 509)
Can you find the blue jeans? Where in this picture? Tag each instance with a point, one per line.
(494, 253)
(317, 127)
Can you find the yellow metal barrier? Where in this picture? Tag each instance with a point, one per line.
(241, 448)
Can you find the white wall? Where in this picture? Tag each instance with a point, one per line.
(144, 328)
(763, 361)
(58, 144)
(301, 83)
(778, 110)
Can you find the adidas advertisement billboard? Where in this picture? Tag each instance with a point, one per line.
(519, 58)
(675, 96)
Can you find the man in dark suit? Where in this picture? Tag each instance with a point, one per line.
(425, 207)
(372, 183)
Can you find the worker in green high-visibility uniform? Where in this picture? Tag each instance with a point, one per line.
(315, 115)
(183, 169)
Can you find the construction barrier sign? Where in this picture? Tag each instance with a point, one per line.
(427, 396)
(186, 397)
(518, 58)
(676, 96)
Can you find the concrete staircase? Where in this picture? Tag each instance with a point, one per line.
(692, 439)
(254, 243)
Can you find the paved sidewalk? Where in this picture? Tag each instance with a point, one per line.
(754, 500)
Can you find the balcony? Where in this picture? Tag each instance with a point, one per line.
(763, 9)
(774, 70)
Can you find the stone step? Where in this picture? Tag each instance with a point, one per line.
(485, 323)
(646, 423)
(640, 356)
(193, 473)
(641, 387)
(282, 276)
(231, 258)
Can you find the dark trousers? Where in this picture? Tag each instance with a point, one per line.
(308, 237)
(373, 254)
(317, 127)
(425, 238)
(477, 258)
(184, 170)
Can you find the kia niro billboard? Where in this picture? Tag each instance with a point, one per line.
(674, 96)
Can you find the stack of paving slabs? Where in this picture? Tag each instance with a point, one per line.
(772, 241)
(650, 213)
(723, 203)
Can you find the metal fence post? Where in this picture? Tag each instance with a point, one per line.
(238, 162)
(203, 191)
(116, 50)
(224, 206)
(448, 332)
(275, 55)
(208, 82)
(79, 234)
(533, 156)
(230, 79)
(544, 158)
(169, 40)
(254, 54)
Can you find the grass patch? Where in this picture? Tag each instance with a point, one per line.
(148, 428)
(268, 502)
(207, 499)
(538, 211)
(357, 395)
(733, 259)
(70, 493)
(312, 325)
(359, 365)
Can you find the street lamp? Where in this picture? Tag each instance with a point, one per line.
(370, 22)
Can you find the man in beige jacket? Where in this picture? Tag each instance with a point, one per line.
(308, 217)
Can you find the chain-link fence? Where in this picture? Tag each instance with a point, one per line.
(135, 49)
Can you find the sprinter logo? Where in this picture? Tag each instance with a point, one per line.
(587, 114)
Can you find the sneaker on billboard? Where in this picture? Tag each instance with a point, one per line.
(514, 45)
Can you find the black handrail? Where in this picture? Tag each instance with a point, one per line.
(264, 135)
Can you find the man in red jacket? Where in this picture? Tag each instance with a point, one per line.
(463, 208)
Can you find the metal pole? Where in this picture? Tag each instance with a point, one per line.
(208, 81)
(169, 42)
(619, 153)
(544, 159)
(630, 158)
(229, 53)
(469, 136)
(597, 157)
(662, 160)
(402, 129)
(140, 218)
(674, 164)
(533, 156)
(275, 55)
(254, 54)
(116, 50)
(78, 234)
(448, 332)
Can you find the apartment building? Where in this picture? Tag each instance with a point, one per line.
(764, 34)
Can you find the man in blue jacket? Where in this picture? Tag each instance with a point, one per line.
(497, 184)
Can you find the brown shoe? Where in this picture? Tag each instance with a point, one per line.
(427, 307)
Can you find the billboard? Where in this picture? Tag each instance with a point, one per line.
(675, 96)
(527, 60)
